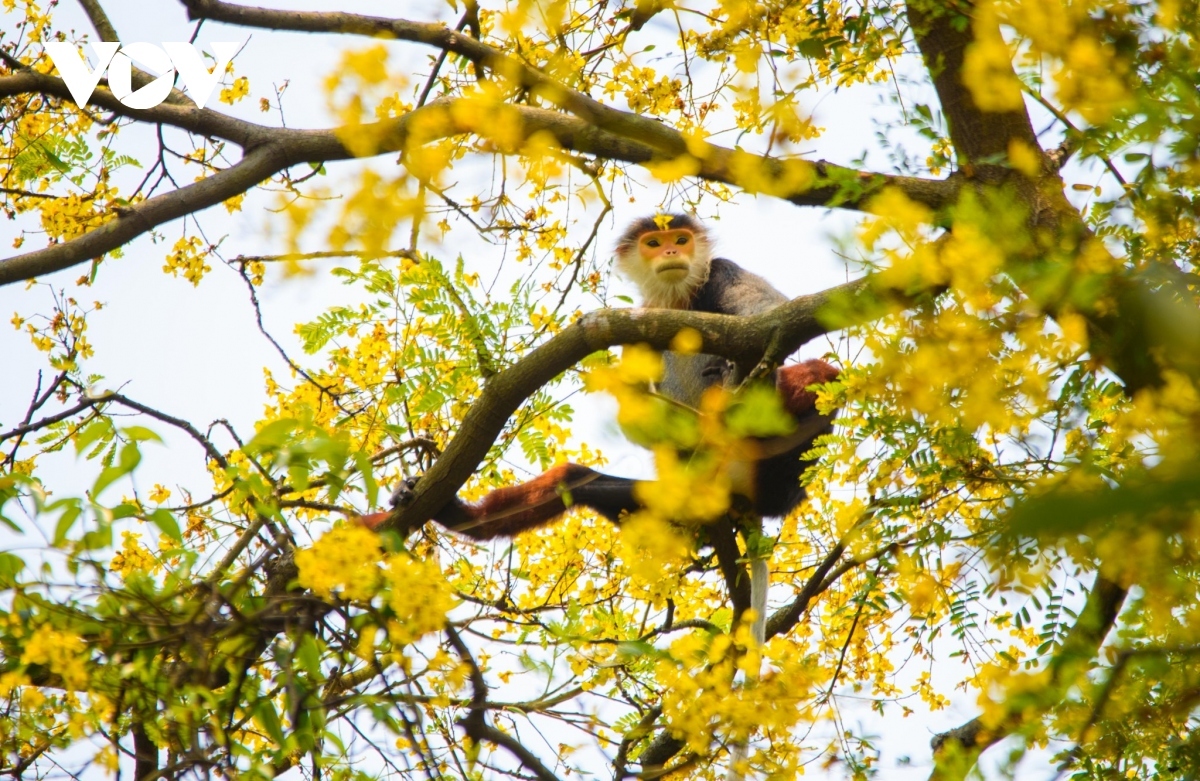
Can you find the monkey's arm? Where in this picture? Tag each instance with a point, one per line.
(508, 511)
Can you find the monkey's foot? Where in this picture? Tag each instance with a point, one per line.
(405, 491)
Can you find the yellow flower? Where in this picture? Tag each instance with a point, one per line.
(1024, 158)
(653, 550)
(987, 66)
(187, 257)
(346, 560)
(133, 556)
(236, 91)
(419, 595)
(63, 653)
(673, 170)
(688, 341)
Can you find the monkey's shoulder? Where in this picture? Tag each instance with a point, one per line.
(732, 290)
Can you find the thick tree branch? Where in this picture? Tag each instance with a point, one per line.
(272, 150)
(183, 115)
(943, 32)
(742, 339)
(659, 139)
(145, 752)
(621, 123)
(99, 19)
(260, 164)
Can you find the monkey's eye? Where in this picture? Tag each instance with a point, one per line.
(681, 240)
(652, 242)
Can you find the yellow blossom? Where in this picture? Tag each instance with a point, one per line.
(419, 596)
(987, 65)
(133, 556)
(345, 561)
(236, 91)
(63, 653)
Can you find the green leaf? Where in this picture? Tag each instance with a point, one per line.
(141, 434)
(10, 566)
(812, 47)
(9, 490)
(366, 469)
(97, 539)
(165, 521)
(65, 522)
(266, 715)
(272, 435)
(632, 649)
(91, 433)
(1068, 511)
(128, 460)
(309, 656)
(759, 413)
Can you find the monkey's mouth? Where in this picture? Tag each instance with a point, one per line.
(672, 265)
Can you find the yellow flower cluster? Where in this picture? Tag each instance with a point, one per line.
(307, 401)
(627, 381)
(927, 591)
(239, 89)
(702, 700)
(655, 553)
(188, 258)
(1087, 73)
(133, 556)
(71, 215)
(643, 89)
(1004, 692)
(344, 561)
(63, 653)
(418, 595)
(348, 562)
(1090, 79)
(780, 178)
(987, 65)
(696, 489)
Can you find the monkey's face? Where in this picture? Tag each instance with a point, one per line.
(668, 266)
(668, 254)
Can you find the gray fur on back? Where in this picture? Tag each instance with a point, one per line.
(729, 290)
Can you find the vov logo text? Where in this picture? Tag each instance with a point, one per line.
(171, 58)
